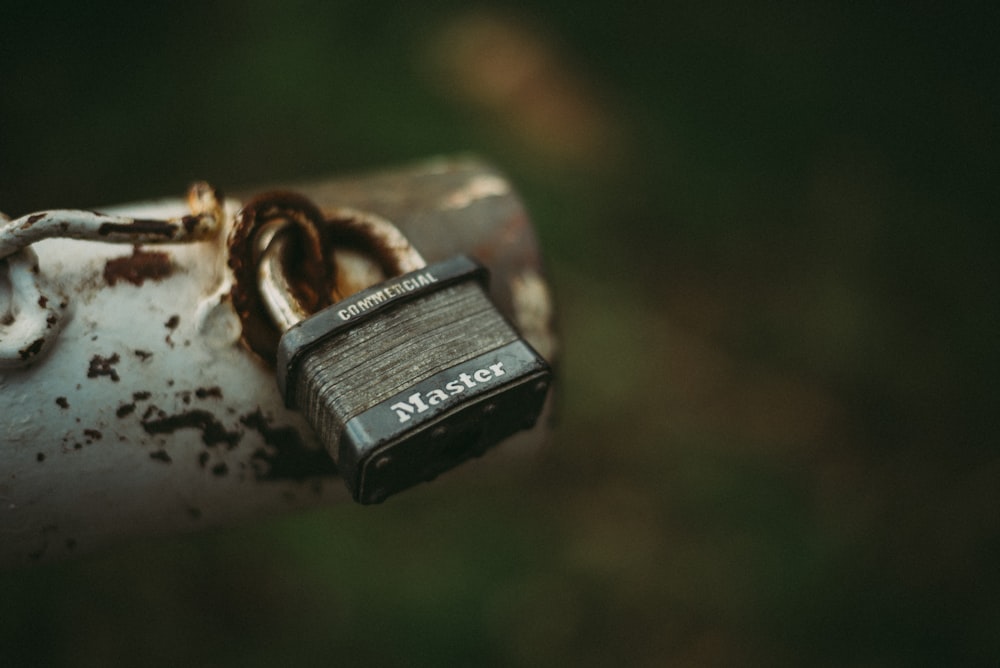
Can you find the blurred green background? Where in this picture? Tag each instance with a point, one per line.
(772, 231)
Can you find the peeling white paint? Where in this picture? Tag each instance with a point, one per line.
(87, 431)
(476, 188)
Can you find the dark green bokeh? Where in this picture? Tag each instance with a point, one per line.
(774, 245)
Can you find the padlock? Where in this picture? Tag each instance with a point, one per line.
(408, 377)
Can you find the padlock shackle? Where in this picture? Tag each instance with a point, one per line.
(311, 271)
(373, 235)
(276, 292)
(276, 288)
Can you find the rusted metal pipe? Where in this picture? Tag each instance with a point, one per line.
(149, 414)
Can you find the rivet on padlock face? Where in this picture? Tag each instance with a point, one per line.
(406, 378)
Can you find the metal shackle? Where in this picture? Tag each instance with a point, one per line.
(366, 249)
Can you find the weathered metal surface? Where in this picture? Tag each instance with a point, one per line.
(148, 414)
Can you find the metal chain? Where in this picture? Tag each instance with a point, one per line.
(33, 315)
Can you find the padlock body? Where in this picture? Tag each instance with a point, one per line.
(410, 378)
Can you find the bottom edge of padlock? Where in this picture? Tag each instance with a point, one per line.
(381, 454)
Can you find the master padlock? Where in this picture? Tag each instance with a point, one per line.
(407, 377)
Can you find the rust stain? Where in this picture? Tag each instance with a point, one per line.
(285, 456)
(160, 456)
(139, 267)
(190, 223)
(104, 366)
(125, 410)
(151, 411)
(139, 226)
(62, 402)
(171, 324)
(206, 392)
(33, 219)
(93, 434)
(212, 431)
(32, 350)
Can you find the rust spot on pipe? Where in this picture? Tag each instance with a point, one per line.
(212, 431)
(32, 350)
(151, 411)
(286, 457)
(33, 219)
(171, 324)
(138, 267)
(104, 366)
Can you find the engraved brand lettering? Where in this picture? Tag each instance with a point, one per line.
(388, 291)
(419, 402)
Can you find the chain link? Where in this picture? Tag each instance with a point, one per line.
(33, 314)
